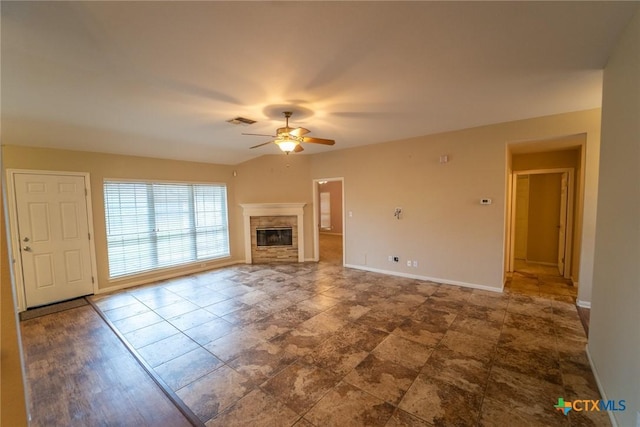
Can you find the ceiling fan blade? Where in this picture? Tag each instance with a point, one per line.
(260, 145)
(318, 140)
(299, 132)
(298, 149)
(258, 134)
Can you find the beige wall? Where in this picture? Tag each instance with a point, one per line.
(614, 340)
(550, 159)
(444, 227)
(101, 166)
(544, 216)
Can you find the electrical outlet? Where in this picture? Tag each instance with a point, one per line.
(415, 263)
(408, 263)
(396, 259)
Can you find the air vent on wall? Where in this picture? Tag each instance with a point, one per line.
(241, 121)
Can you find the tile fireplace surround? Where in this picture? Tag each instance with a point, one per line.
(265, 214)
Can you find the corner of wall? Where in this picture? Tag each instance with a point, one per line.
(13, 409)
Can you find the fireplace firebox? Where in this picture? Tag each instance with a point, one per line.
(274, 236)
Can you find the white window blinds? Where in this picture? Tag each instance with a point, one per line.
(325, 211)
(153, 225)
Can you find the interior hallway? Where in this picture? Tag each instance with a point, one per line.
(331, 248)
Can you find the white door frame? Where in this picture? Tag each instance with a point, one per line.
(568, 249)
(316, 219)
(12, 208)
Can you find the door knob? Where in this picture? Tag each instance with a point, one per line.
(26, 239)
(26, 248)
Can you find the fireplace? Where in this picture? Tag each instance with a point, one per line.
(276, 236)
(274, 232)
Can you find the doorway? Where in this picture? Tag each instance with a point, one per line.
(51, 229)
(542, 221)
(328, 214)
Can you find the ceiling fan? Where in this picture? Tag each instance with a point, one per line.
(289, 139)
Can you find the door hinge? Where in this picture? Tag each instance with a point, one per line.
(86, 193)
(92, 280)
(89, 234)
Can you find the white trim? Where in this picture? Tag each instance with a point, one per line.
(272, 209)
(426, 278)
(168, 275)
(316, 219)
(139, 276)
(612, 418)
(12, 209)
(583, 304)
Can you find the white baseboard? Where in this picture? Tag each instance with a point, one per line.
(548, 264)
(583, 304)
(612, 418)
(168, 275)
(426, 278)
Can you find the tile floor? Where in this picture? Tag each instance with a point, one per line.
(320, 345)
(79, 374)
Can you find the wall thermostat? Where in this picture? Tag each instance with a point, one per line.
(485, 201)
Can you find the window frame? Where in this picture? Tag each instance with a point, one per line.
(154, 239)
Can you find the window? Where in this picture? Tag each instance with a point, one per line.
(153, 225)
(325, 211)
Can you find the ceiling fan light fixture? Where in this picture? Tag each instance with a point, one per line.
(287, 145)
(290, 139)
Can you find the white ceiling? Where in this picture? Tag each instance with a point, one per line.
(160, 79)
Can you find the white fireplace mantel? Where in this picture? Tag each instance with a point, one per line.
(272, 209)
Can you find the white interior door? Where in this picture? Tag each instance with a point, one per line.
(562, 223)
(53, 229)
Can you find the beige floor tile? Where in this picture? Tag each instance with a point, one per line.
(404, 352)
(346, 405)
(318, 344)
(382, 378)
(214, 392)
(300, 386)
(256, 409)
